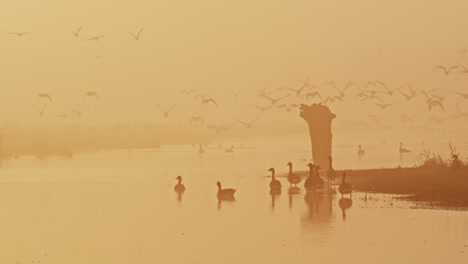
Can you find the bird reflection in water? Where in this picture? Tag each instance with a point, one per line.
(179, 188)
(292, 191)
(274, 193)
(345, 204)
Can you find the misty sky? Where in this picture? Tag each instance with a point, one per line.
(218, 47)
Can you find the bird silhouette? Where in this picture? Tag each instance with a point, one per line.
(464, 69)
(196, 120)
(137, 35)
(208, 100)
(247, 124)
(275, 100)
(77, 32)
(412, 92)
(447, 70)
(464, 95)
(78, 113)
(262, 108)
(383, 106)
(95, 38)
(236, 94)
(166, 112)
(403, 150)
(41, 110)
(288, 107)
(44, 95)
(90, 94)
(332, 99)
(218, 129)
(312, 95)
(19, 34)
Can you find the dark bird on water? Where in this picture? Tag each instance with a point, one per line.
(274, 183)
(179, 187)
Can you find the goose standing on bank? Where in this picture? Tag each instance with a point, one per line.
(331, 173)
(225, 193)
(345, 188)
(403, 150)
(179, 187)
(274, 184)
(293, 178)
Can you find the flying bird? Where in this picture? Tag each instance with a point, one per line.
(166, 112)
(383, 106)
(44, 95)
(19, 34)
(464, 95)
(208, 100)
(77, 32)
(433, 103)
(218, 129)
(195, 120)
(90, 94)
(312, 95)
(465, 69)
(332, 99)
(447, 70)
(41, 110)
(96, 38)
(137, 36)
(275, 100)
(262, 108)
(247, 124)
(288, 107)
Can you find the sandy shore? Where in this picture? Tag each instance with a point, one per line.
(443, 186)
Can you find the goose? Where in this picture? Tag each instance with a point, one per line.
(77, 32)
(247, 124)
(275, 100)
(318, 182)
(309, 182)
(201, 150)
(403, 150)
(447, 70)
(225, 193)
(360, 151)
(345, 188)
(274, 183)
(331, 173)
(293, 178)
(179, 187)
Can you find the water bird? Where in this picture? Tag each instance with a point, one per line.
(90, 94)
(331, 173)
(95, 38)
(345, 188)
(293, 178)
(200, 149)
(247, 124)
(360, 151)
(137, 35)
(225, 193)
(383, 106)
(236, 94)
(229, 150)
(77, 32)
(208, 100)
(44, 95)
(332, 99)
(19, 34)
(447, 70)
(309, 182)
(464, 95)
(179, 187)
(274, 183)
(464, 69)
(196, 120)
(312, 95)
(166, 112)
(403, 150)
(262, 108)
(41, 110)
(288, 107)
(218, 129)
(275, 100)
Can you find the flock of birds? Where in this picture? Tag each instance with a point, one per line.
(313, 183)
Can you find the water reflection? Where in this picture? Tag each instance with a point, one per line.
(225, 200)
(274, 193)
(345, 204)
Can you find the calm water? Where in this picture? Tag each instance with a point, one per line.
(119, 207)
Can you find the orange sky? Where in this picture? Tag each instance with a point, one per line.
(217, 47)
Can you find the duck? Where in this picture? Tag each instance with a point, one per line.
(293, 178)
(225, 193)
(274, 184)
(309, 182)
(403, 150)
(345, 188)
(201, 150)
(331, 173)
(179, 187)
(360, 151)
